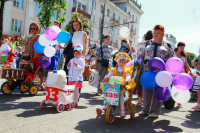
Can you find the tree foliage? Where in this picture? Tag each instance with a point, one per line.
(48, 8)
(86, 26)
(190, 57)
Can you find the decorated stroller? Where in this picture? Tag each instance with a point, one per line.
(58, 94)
(111, 100)
(20, 79)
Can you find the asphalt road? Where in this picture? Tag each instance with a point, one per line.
(21, 113)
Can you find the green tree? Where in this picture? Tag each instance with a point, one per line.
(86, 26)
(190, 57)
(48, 8)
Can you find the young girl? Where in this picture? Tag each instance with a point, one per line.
(120, 70)
(76, 68)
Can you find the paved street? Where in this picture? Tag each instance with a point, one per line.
(22, 113)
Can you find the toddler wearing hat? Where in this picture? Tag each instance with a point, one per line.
(76, 68)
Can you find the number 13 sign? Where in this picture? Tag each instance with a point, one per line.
(111, 94)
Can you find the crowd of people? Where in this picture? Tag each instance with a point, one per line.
(73, 59)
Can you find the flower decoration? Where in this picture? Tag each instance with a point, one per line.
(125, 55)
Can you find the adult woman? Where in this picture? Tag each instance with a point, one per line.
(154, 48)
(139, 87)
(34, 30)
(79, 37)
(180, 53)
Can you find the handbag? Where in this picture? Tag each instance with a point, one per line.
(169, 104)
(104, 62)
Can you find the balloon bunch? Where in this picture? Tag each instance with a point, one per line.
(46, 41)
(160, 78)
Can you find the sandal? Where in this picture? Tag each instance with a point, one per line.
(123, 114)
(99, 112)
(180, 105)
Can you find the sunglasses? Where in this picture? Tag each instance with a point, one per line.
(32, 28)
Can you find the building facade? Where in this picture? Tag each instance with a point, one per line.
(18, 15)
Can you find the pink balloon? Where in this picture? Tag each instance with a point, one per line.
(182, 81)
(50, 34)
(174, 65)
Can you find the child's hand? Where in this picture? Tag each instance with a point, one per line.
(75, 63)
(20, 64)
(32, 65)
(106, 79)
(69, 64)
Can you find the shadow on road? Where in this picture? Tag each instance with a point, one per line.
(126, 125)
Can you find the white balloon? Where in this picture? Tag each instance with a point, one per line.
(180, 96)
(43, 41)
(164, 79)
(124, 32)
(49, 51)
(56, 28)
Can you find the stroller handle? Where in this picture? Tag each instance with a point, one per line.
(73, 77)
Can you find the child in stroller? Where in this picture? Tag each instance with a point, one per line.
(30, 70)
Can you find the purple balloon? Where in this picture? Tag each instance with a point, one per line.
(162, 93)
(174, 65)
(44, 61)
(50, 34)
(156, 65)
(182, 81)
(199, 51)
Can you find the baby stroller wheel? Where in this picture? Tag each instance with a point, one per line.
(33, 90)
(23, 88)
(71, 105)
(60, 107)
(43, 105)
(132, 112)
(5, 88)
(110, 114)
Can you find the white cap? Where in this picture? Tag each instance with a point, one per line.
(79, 48)
(121, 58)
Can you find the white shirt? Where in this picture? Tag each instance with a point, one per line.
(3, 48)
(76, 71)
(78, 38)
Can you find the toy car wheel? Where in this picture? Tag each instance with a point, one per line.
(71, 105)
(23, 88)
(5, 88)
(43, 105)
(33, 90)
(110, 114)
(60, 107)
(132, 112)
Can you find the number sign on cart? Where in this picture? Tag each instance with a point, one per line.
(111, 94)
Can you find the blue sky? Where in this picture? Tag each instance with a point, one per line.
(181, 18)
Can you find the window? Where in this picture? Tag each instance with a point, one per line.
(16, 25)
(123, 21)
(94, 5)
(106, 25)
(100, 22)
(133, 17)
(113, 16)
(117, 41)
(91, 33)
(79, 5)
(107, 12)
(54, 16)
(99, 34)
(119, 19)
(93, 19)
(74, 3)
(136, 19)
(19, 4)
(37, 9)
(101, 9)
(84, 8)
(117, 31)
